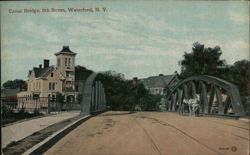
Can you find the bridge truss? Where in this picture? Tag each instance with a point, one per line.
(217, 96)
(94, 98)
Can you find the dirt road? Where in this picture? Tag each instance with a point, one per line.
(152, 133)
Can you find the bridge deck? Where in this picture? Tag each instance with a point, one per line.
(155, 133)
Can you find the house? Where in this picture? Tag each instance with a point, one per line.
(48, 81)
(158, 85)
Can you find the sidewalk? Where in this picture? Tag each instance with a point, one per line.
(21, 130)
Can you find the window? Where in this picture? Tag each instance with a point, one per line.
(51, 74)
(77, 88)
(58, 61)
(69, 63)
(35, 96)
(67, 74)
(66, 61)
(52, 86)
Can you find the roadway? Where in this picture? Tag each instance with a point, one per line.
(152, 133)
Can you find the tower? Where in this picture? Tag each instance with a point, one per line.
(66, 65)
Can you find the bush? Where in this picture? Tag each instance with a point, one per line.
(6, 111)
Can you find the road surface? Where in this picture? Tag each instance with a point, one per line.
(152, 133)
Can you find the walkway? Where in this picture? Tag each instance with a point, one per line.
(23, 129)
(154, 133)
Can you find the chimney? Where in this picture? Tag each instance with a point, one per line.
(66, 47)
(40, 66)
(45, 63)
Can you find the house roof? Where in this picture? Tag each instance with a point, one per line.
(157, 81)
(9, 92)
(82, 73)
(41, 72)
(65, 50)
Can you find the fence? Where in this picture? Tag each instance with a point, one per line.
(41, 104)
(8, 103)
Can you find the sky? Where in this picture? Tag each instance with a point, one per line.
(138, 39)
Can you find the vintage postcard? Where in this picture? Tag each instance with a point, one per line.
(125, 77)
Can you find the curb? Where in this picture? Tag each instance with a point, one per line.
(47, 143)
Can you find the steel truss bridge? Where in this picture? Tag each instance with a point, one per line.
(94, 98)
(217, 96)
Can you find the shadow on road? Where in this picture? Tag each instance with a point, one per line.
(113, 113)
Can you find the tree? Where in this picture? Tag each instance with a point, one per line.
(15, 84)
(201, 61)
(240, 75)
(121, 94)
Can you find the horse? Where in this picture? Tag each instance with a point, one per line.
(192, 104)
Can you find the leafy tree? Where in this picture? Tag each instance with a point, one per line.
(201, 61)
(150, 102)
(122, 95)
(207, 61)
(239, 74)
(15, 84)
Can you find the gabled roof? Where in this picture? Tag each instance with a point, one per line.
(41, 72)
(157, 81)
(65, 50)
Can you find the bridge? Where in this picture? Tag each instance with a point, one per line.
(216, 96)
(158, 133)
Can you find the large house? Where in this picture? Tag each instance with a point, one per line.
(47, 81)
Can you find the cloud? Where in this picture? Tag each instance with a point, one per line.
(202, 16)
(239, 18)
(39, 31)
(129, 42)
(116, 29)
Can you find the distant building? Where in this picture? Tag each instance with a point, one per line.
(47, 81)
(157, 85)
(115, 74)
(9, 93)
(160, 85)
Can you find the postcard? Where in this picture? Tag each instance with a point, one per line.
(125, 77)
